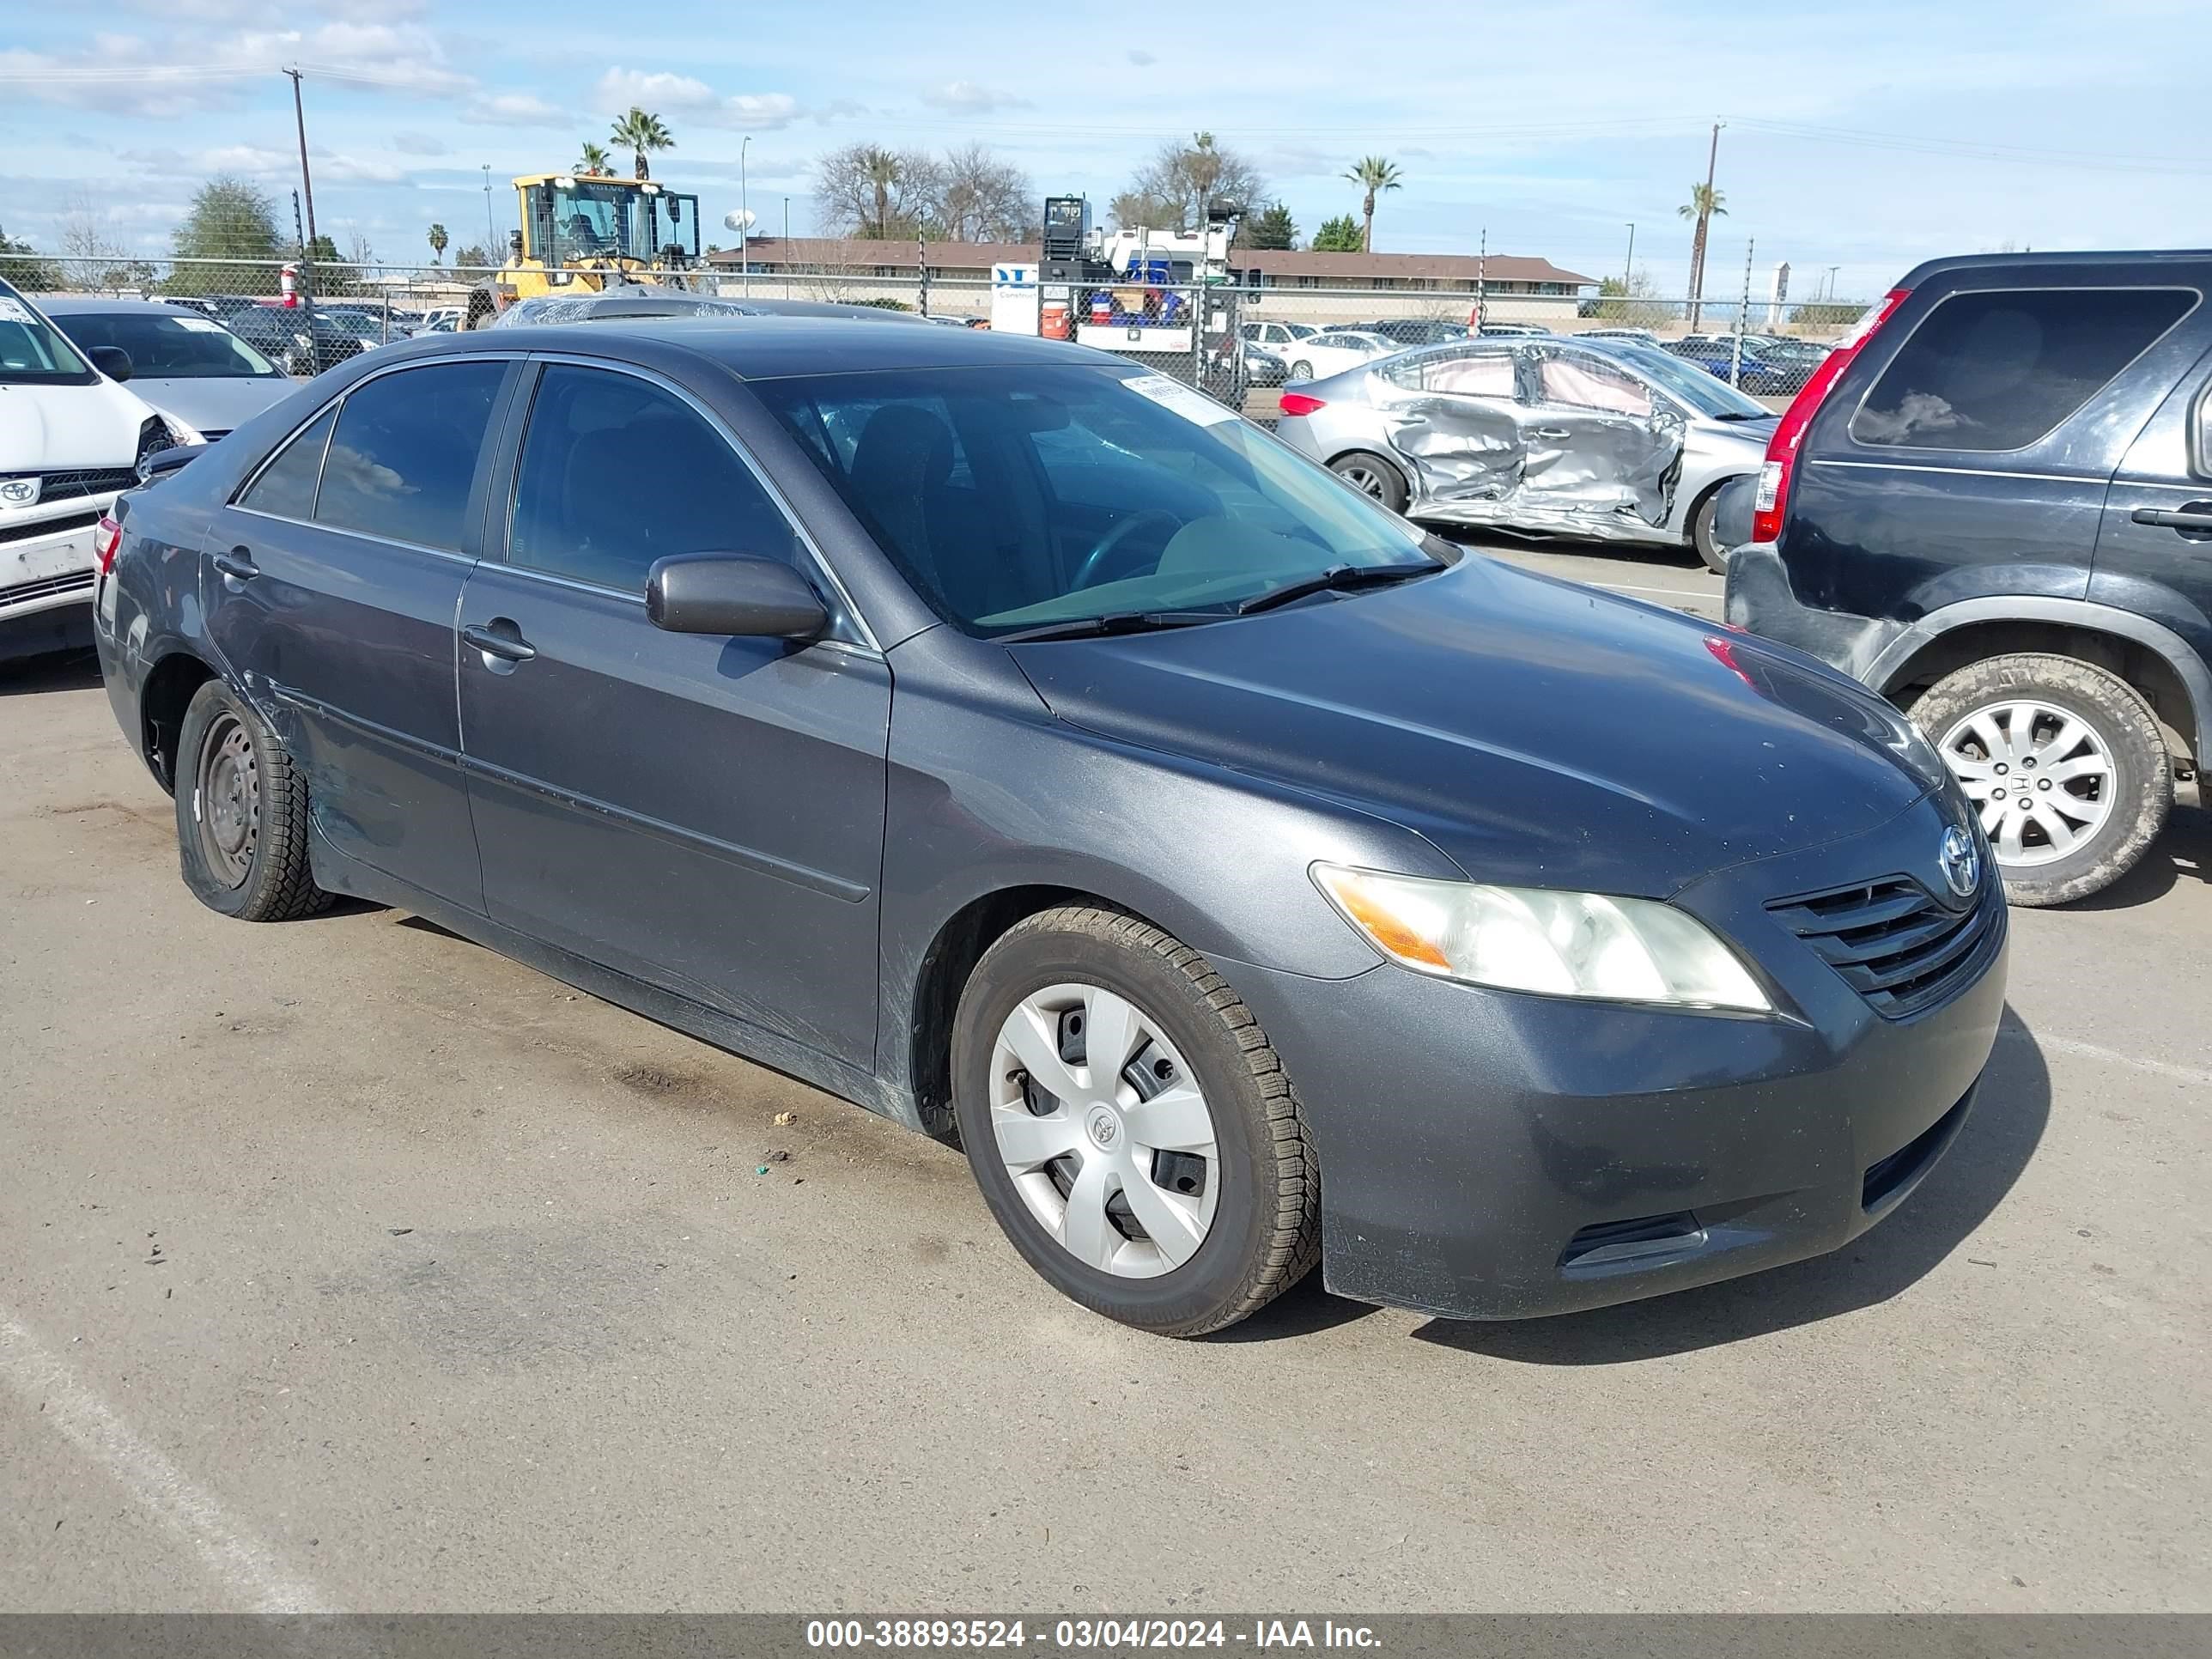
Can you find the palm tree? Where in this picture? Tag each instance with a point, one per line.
(884, 173)
(641, 133)
(593, 162)
(437, 243)
(1372, 174)
(1703, 204)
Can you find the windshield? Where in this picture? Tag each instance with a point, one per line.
(1015, 498)
(32, 352)
(1712, 398)
(165, 346)
(581, 222)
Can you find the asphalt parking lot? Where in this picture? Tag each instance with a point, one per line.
(345, 1265)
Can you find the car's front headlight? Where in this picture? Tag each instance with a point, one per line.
(182, 431)
(1531, 939)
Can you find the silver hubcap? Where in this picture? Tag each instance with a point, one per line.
(2040, 776)
(1364, 479)
(1104, 1130)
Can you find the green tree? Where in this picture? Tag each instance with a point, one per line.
(641, 133)
(593, 162)
(1706, 203)
(474, 257)
(1175, 188)
(438, 239)
(1272, 227)
(1339, 235)
(21, 265)
(1372, 174)
(1827, 314)
(228, 221)
(1628, 300)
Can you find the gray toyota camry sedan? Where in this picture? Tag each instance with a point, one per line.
(1023, 746)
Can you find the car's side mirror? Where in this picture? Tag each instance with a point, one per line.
(113, 362)
(733, 593)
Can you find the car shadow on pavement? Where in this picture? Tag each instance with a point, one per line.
(2183, 852)
(1999, 1137)
(75, 670)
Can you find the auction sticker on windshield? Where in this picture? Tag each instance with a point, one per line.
(1193, 406)
(15, 311)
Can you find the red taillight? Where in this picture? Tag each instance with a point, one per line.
(1772, 501)
(106, 543)
(1297, 402)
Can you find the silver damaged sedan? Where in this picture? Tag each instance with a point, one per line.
(1605, 440)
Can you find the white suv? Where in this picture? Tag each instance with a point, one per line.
(71, 440)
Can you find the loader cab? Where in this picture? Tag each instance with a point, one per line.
(571, 222)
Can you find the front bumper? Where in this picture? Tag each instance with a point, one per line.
(46, 562)
(1486, 1155)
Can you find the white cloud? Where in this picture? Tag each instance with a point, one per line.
(175, 75)
(1142, 58)
(966, 98)
(672, 96)
(418, 144)
(514, 109)
(258, 162)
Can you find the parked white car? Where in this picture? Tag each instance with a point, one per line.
(1278, 338)
(71, 440)
(1334, 350)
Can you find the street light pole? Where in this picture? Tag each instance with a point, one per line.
(1628, 271)
(491, 231)
(746, 212)
(1832, 269)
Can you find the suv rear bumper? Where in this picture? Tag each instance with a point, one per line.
(1760, 599)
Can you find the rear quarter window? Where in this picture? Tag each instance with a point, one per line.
(2001, 369)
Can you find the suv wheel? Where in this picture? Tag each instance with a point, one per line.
(2063, 760)
(1131, 1129)
(241, 814)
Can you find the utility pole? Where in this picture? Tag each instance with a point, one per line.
(1704, 215)
(307, 195)
(1628, 271)
(787, 232)
(1832, 269)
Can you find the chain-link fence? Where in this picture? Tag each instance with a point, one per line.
(1238, 343)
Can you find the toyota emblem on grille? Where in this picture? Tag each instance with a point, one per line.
(19, 492)
(1960, 862)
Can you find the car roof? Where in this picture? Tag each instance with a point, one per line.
(770, 348)
(2146, 259)
(80, 305)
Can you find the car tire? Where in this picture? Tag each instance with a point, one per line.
(1240, 1193)
(241, 814)
(2032, 727)
(1372, 475)
(1703, 526)
(1302, 370)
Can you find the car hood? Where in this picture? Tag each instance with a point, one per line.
(49, 429)
(1539, 732)
(214, 404)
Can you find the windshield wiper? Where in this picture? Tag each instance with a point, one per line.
(1114, 621)
(1338, 578)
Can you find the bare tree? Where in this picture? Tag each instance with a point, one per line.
(982, 199)
(1180, 180)
(865, 190)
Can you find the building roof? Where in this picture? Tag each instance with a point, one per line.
(862, 253)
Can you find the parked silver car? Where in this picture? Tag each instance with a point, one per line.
(1604, 439)
(184, 364)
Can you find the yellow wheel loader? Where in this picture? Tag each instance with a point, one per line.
(581, 234)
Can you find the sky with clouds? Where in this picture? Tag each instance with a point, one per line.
(1864, 137)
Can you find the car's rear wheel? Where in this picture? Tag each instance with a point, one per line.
(1704, 527)
(2065, 764)
(241, 814)
(1302, 370)
(1131, 1129)
(1371, 475)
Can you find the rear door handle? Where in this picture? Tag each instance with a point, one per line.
(498, 639)
(236, 566)
(1550, 432)
(2197, 515)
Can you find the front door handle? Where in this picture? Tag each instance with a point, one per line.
(235, 567)
(1550, 432)
(500, 642)
(2195, 515)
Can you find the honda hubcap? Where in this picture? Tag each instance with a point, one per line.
(2039, 775)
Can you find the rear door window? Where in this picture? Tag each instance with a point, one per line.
(286, 487)
(2000, 370)
(404, 454)
(1583, 382)
(1477, 373)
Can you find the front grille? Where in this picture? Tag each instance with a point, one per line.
(46, 588)
(23, 533)
(1895, 942)
(97, 481)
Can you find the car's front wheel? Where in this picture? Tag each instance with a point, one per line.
(241, 814)
(1131, 1129)
(1302, 370)
(1371, 475)
(2064, 762)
